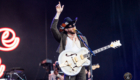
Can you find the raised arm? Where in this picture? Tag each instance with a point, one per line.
(59, 9)
(54, 28)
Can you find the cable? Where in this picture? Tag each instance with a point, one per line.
(37, 72)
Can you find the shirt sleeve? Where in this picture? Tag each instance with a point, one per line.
(55, 32)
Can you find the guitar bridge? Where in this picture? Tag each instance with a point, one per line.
(75, 59)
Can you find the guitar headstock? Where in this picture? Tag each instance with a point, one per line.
(115, 44)
(95, 66)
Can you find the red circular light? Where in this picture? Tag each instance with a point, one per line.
(9, 44)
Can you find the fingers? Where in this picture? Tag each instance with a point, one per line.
(59, 3)
(62, 6)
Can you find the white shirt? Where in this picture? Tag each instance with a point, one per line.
(73, 45)
(53, 77)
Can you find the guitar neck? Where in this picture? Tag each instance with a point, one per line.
(101, 49)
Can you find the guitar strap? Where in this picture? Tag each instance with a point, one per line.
(88, 68)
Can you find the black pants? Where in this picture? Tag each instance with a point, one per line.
(80, 76)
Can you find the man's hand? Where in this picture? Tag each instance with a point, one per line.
(55, 71)
(59, 9)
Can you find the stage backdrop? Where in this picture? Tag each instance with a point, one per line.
(99, 20)
(27, 19)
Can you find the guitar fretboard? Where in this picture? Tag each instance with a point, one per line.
(101, 49)
(98, 50)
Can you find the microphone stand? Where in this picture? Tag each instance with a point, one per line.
(18, 76)
(90, 52)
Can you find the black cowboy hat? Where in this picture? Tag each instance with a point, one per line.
(67, 21)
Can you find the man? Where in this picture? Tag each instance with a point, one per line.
(88, 76)
(67, 37)
(55, 75)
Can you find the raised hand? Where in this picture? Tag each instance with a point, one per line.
(59, 8)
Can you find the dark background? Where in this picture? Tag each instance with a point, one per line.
(101, 21)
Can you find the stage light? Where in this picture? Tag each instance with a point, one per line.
(9, 44)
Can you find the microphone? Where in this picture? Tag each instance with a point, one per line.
(78, 32)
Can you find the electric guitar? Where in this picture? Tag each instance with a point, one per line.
(71, 62)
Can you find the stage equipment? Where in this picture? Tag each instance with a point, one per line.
(47, 65)
(15, 73)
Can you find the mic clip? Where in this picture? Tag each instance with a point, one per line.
(78, 32)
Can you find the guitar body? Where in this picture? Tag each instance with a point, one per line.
(72, 62)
